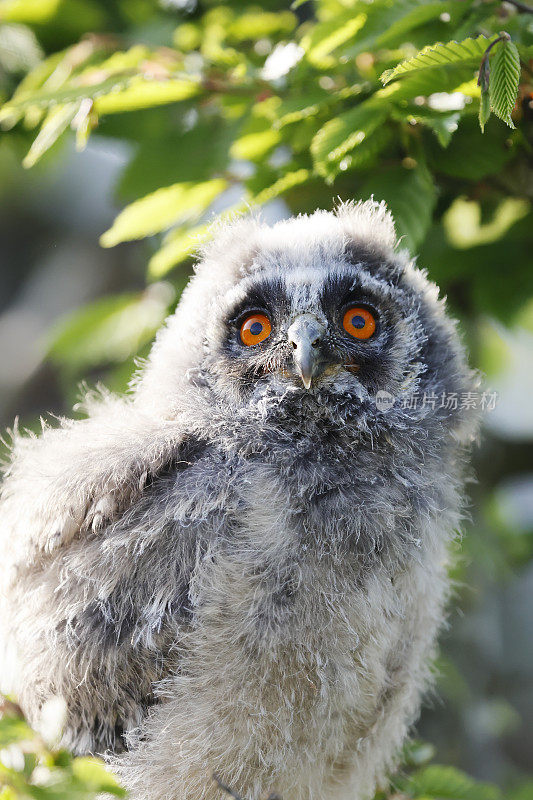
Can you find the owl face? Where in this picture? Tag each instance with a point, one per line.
(346, 326)
(317, 312)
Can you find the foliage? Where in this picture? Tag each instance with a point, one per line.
(327, 102)
(34, 766)
(425, 104)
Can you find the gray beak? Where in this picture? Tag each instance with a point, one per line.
(305, 335)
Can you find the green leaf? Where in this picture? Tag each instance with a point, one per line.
(13, 729)
(284, 184)
(470, 155)
(57, 121)
(178, 156)
(469, 51)
(172, 205)
(301, 106)
(484, 110)
(325, 37)
(110, 330)
(372, 26)
(448, 783)
(463, 224)
(414, 15)
(179, 245)
(344, 133)
(410, 195)
(95, 777)
(252, 146)
(504, 80)
(255, 25)
(143, 93)
(36, 11)
(442, 123)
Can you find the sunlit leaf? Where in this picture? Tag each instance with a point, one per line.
(143, 93)
(288, 181)
(463, 226)
(504, 79)
(178, 246)
(27, 10)
(325, 37)
(57, 121)
(257, 24)
(255, 145)
(345, 133)
(157, 211)
(469, 51)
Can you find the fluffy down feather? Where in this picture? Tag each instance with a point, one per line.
(225, 573)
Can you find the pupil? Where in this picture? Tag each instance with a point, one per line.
(256, 328)
(358, 321)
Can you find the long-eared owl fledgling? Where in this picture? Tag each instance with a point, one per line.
(240, 568)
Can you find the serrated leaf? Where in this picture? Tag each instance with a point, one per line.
(410, 195)
(469, 51)
(171, 205)
(428, 82)
(504, 80)
(345, 133)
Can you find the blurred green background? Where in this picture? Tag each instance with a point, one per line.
(129, 124)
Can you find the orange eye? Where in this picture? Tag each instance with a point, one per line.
(359, 323)
(255, 329)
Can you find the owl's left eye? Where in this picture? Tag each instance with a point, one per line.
(255, 329)
(359, 322)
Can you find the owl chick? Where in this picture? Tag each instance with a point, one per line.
(240, 569)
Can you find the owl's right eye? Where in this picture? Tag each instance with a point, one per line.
(255, 329)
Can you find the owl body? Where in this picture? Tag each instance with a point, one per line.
(231, 573)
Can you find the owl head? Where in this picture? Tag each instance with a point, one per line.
(317, 309)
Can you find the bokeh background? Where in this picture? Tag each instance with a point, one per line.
(72, 310)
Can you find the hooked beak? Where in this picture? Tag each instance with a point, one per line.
(305, 335)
